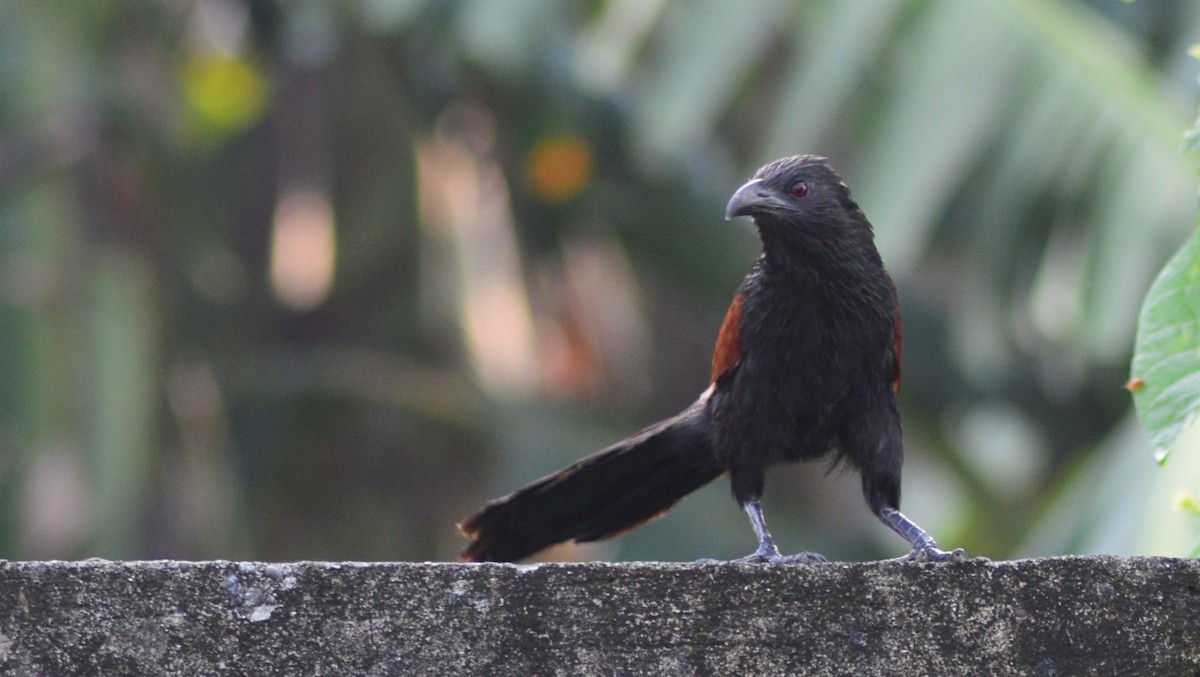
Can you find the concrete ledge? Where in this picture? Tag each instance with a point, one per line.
(1069, 616)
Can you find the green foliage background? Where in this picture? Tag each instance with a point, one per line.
(1163, 375)
(160, 396)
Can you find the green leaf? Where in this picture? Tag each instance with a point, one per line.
(1166, 361)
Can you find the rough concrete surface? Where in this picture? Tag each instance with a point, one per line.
(1068, 616)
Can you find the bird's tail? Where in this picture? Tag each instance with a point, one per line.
(600, 496)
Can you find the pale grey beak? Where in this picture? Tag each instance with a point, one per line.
(746, 198)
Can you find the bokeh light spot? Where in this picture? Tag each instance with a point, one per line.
(559, 167)
(224, 91)
(303, 250)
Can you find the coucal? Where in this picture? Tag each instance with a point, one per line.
(806, 366)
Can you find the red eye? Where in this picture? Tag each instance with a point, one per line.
(798, 190)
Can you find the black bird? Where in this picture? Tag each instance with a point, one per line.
(806, 366)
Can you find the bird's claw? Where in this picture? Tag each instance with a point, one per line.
(762, 556)
(935, 554)
(804, 558)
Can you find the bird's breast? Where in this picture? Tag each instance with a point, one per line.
(802, 359)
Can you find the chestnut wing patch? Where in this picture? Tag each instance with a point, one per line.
(729, 340)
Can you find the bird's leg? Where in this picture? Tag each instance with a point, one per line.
(767, 551)
(924, 547)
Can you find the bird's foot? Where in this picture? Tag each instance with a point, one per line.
(932, 553)
(803, 558)
(773, 556)
(767, 553)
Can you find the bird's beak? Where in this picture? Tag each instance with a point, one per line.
(745, 199)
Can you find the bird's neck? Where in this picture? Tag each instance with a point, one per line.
(844, 262)
(850, 276)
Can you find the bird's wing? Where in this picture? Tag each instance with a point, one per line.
(728, 352)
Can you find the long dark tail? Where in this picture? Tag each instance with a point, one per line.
(609, 492)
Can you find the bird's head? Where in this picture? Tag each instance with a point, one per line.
(801, 204)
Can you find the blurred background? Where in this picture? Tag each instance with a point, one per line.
(313, 280)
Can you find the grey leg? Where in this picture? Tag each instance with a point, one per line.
(767, 551)
(923, 545)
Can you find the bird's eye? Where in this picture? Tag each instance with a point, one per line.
(798, 190)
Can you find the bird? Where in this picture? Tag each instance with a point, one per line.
(806, 366)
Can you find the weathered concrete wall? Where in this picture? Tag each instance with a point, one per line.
(1070, 616)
